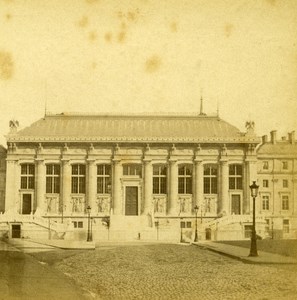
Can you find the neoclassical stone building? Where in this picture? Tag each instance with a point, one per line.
(140, 174)
(277, 178)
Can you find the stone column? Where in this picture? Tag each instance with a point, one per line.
(148, 185)
(11, 188)
(40, 187)
(173, 188)
(66, 186)
(294, 188)
(92, 185)
(198, 183)
(224, 178)
(116, 192)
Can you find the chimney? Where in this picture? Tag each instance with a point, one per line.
(264, 139)
(273, 136)
(292, 137)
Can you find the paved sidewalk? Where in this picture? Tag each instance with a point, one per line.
(6, 247)
(242, 254)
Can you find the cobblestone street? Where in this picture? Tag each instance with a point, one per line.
(167, 271)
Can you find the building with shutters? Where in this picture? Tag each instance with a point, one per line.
(141, 175)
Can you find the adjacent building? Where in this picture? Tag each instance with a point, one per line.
(2, 178)
(277, 177)
(141, 177)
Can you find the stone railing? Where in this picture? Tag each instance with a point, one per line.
(231, 219)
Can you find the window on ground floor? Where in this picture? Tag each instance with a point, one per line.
(286, 226)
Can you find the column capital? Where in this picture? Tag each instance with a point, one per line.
(147, 160)
(224, 161)
(198, 161)
(172, 160)
(90, 161)
(116, 160)
(39, 160)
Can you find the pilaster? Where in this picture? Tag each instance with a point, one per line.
(224, 178)
(198, 198)
(91, 185)
(116, 193)
(66, 185)
(40, 187)
(173, 187)
(148, 185)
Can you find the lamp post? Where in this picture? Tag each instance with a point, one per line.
(254, 192)
(196, 208)
(89, 236)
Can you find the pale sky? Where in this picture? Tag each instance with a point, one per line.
(150, 56)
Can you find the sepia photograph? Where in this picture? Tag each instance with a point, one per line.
(148, 149)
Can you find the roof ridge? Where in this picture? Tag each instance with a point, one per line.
(138, 114)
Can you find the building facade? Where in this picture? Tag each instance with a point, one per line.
(134, 177)
(277, 177)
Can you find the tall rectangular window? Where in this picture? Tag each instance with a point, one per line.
(210, 180)
(27, 176)
(265, 202)
(132, 170)
(159, 179)
(185, 179)
(286, 226)
(78, 179)
(235, 177)
(285, 183)
(103, 179)
(265, 183)
(285, 202)
(53, 178)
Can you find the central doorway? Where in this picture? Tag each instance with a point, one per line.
(27, 204)
(131, 207)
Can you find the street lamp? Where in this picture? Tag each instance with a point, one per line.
(254, 192)
(89, 236)
(196, 208)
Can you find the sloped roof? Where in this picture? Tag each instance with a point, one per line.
(108, 127)
(279, 148)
